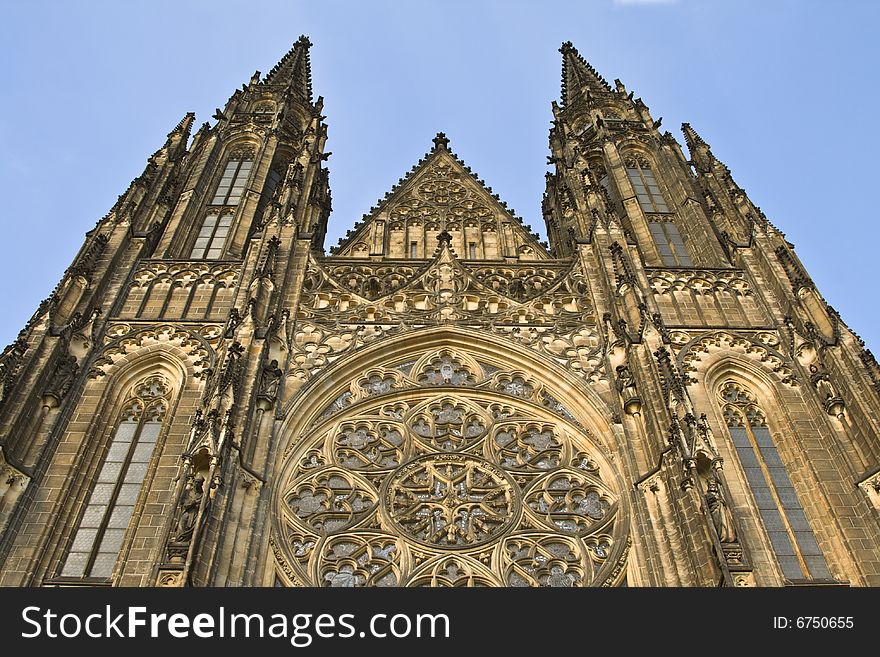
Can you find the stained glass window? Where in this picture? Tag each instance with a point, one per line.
(235, 176)
(101, 531)
(212, 236)
(783, 516)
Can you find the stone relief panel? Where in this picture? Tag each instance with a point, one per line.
(441, 489)
(193, 290)
(198, 342)
(552, 313)
(705, 297)
(762, 347)
(445, 290)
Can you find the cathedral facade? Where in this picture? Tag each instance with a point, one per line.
(658, 396)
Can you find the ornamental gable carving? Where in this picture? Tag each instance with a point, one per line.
(445, 290)
(197, 343)
(195, 290)
(441, 194)
(699, 297)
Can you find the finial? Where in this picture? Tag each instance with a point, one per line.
(444, 236)
(441, 141)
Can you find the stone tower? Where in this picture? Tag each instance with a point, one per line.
(659, 396)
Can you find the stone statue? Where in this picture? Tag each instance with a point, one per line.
(721, 516)
(189, 509)
(270, 378)
(63, 376)
(625, 382)
(822, 382)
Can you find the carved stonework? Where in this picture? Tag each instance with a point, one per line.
(656, 395)
(870, 486)
(197, 342)
(13, 483)
(761, 347)
(441, 490)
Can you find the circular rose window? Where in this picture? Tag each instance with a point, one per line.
(435, 488)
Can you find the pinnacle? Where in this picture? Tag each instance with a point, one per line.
(294, 70)
(693, 139)
(441, 141)
(184, 125)
(695, 144)
(579, 78)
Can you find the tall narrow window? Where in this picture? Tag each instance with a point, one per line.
(472, 250)
(413, 249)
(212, 236)
(645, 185)
(783, 516)
(669, 243)
(272, 179)
(235, 176)
(102, 527)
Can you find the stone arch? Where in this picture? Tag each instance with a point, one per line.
(706, 348)
(113, 394)
(572, 392)
(240, 146)
(125, 343)
(637, 154)
(459, 408)
(790, 438)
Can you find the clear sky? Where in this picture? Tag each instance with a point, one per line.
(785, 91)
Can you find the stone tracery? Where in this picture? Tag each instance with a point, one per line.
(480, 488)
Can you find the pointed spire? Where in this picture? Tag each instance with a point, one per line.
(700, 152)
(175, 144)
(693, 140)
(295, 70)
(184, 126)
(579, 79)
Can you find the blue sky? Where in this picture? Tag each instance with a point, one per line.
(784, 90)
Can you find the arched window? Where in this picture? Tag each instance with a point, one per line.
(783, 516)
(669, 242)
(103, 525)
(235, 176)
(274, 177)
(664, 232)
(212, 236)
(645, 185)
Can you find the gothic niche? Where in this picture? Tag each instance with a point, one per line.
(448, 487)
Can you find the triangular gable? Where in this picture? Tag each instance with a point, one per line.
(440, 193)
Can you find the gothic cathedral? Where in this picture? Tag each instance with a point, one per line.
(659, 396)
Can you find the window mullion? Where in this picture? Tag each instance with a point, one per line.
(771, 485)
(111, 503)
(214, 234)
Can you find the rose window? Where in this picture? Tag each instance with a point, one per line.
(442, 489)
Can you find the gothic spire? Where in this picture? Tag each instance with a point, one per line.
(184, 125)
(692, 138)
(176, 142)
(294, 70)
(579, 79)
(700, 151)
